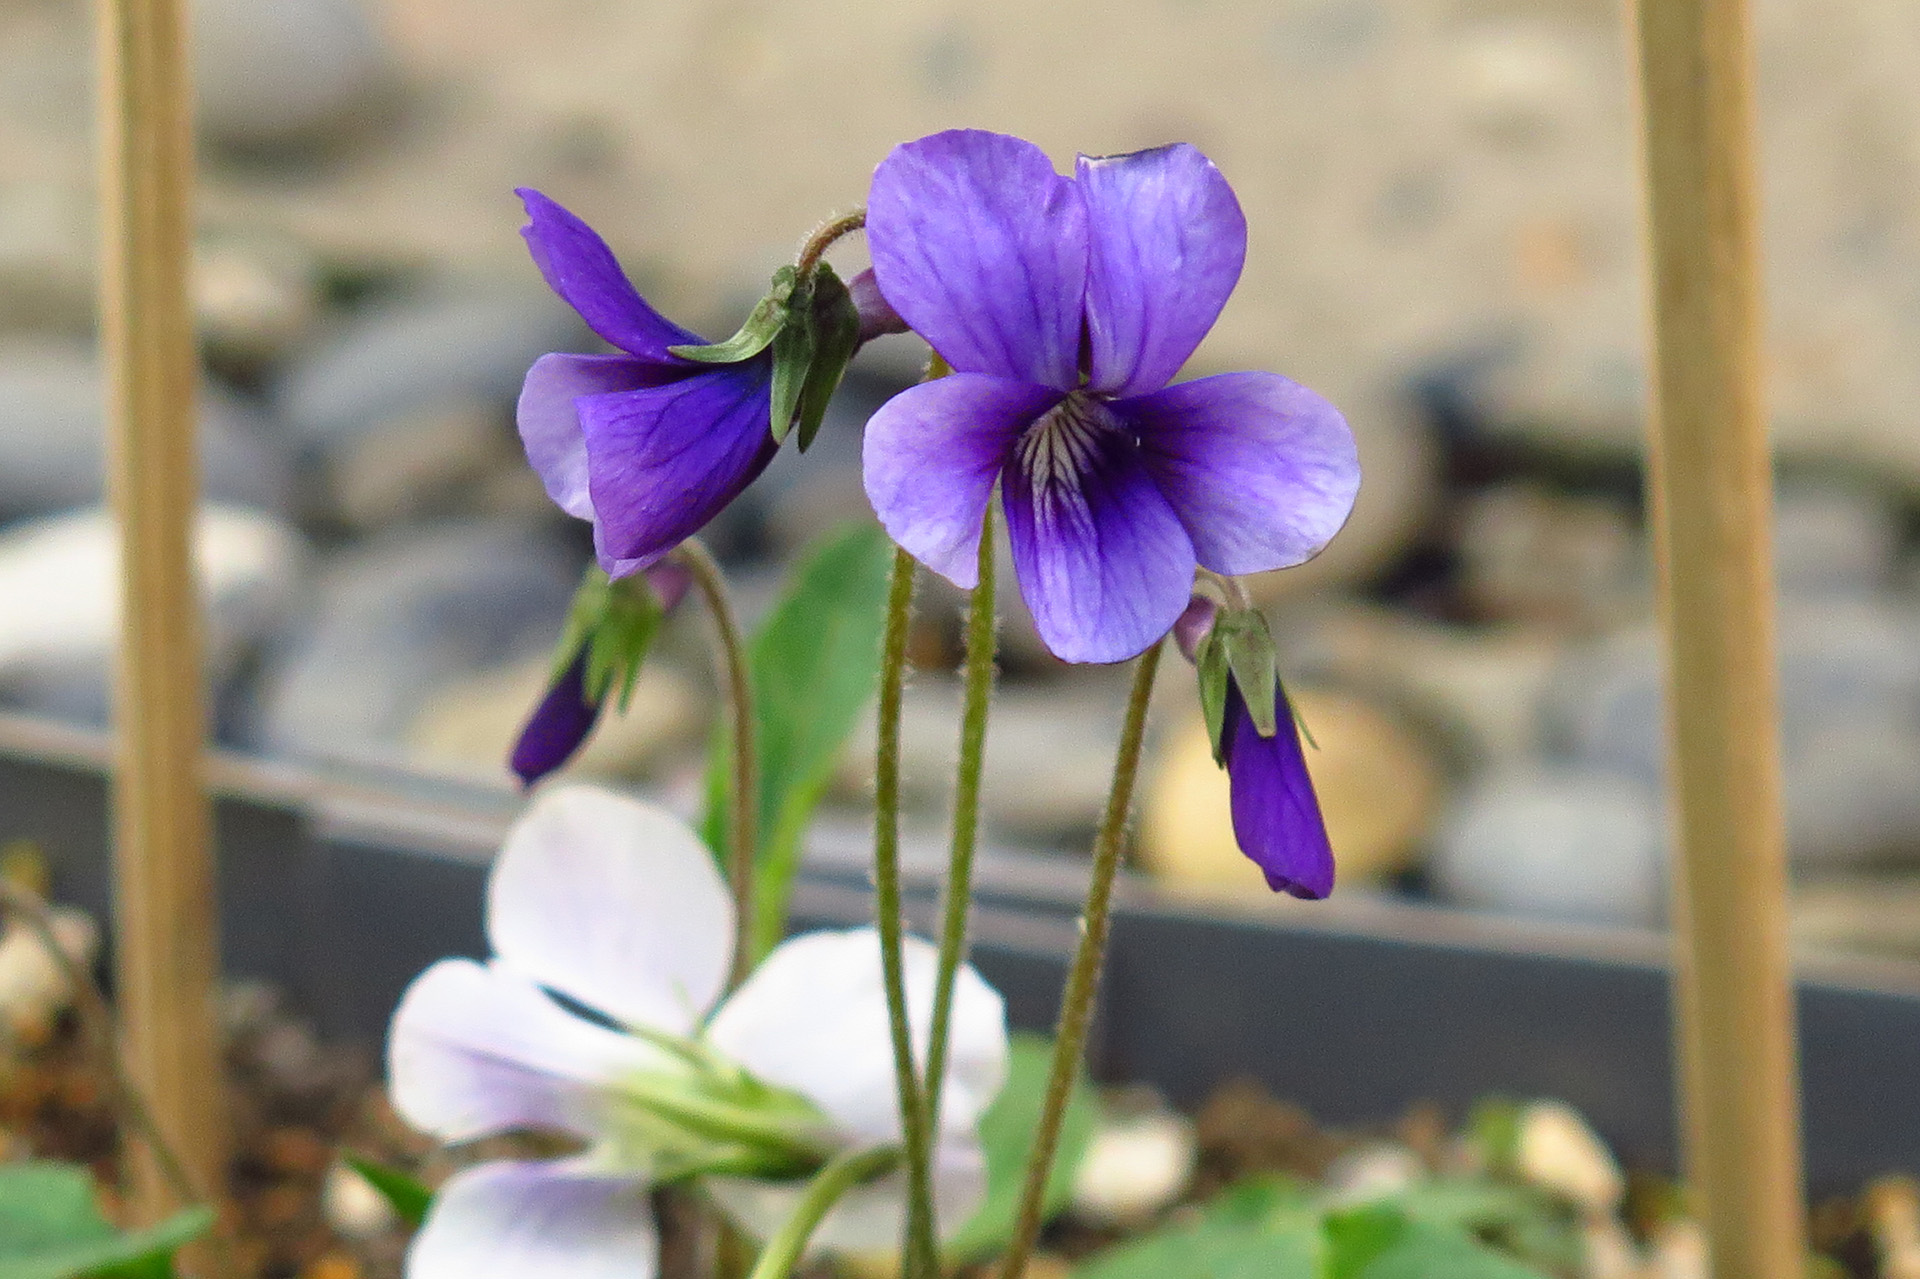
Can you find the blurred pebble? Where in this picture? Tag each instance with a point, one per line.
(48, 243)
(1558, 1152)
(1834, 539)
(277, 73)
(1133, 1167)
(353, 1206)
(52, 435)
(1373, 1171)
(34, 990)
(1380, 790)
(1609, 1251)
(1892, 1210)
(1677, 1250)
(1557, 844)
(402, 616)
(419, 464)
(1530, 555)
(1878, 913)
(253, 299)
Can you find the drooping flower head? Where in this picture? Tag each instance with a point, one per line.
(615, 908)
(1065, 306)
(1276, 816)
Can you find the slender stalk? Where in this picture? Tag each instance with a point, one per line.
(966, 819)
(823, 238)
(918, 1255)
(842, 1174)
(1083, 978)
(743, 836)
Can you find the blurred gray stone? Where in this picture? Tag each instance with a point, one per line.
(275, 73)
(254, 297)
(1853, 792)
(1555, 844)
(1535, 556)
(1834, 539)
(52, 436)
(411, 612)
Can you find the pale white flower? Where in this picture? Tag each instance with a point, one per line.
(617, 907)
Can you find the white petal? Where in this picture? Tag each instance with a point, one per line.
(537, 1221)
(615, 903)
(477, 1049)
(813, 1018)
(869, 1218)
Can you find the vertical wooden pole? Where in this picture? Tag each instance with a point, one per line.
(1711, 496)
(164, 906)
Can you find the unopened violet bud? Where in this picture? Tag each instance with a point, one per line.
(559, 725)
(877, 316)
(669, 580)
(1276, 817)
(1193, 626)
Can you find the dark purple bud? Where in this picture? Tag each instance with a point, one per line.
(669, 581)
(1276, 818)
(558, 726)
(1193, 625)
(877, 316)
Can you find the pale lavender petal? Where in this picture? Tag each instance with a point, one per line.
(475, 1049)
(931, 455)
(558, 1220)
(580, 267)
(1276, 818)
(615, 903)
(1167, 240)
(982, 248)
(1262, 471)
(665, 460)
(1104, 565)
(550, 423)
(868, 1219)
(877, 316)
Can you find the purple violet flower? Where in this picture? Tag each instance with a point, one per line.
(1276, 818)
(645, 445)
(1065, 306)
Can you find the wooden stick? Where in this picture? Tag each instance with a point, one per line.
(1711, 497)
(164, 904)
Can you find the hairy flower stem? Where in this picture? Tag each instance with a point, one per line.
(743, 836)
(966, 818)
(918, 1261)
(842, 1174)
(823, 238)
(1083, 978)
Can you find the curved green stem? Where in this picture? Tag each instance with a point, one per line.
(1083, 978)
(919, 1248)
(743, 836)
(966, 818)
(842, 1174)
(823, 238)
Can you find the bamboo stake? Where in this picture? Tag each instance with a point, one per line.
(1711, 497)
(164, 904)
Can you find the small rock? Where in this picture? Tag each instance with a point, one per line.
(1376, 1170)
(253, 299)
(1677, 1250)
(353, 1206)
(419, 464)
(1555, 843)
(1892, 1209)
(1558, 1152)
(1609, 1252)
(48, 242)
(1529, 555)
(1380, 789)
(277, 73)
(1877, 913)
(1834, 539)
(295, 1152)
(34, 990)
(1134, 1167)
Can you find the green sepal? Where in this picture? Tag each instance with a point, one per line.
(763, 324)
(404, 1193)
(1238, 650)
(1211, 662)
(836, 335)
(792, 358)
(614, 622)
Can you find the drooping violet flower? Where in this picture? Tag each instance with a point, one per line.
(1065, 306)
(615, 907)
(568, 713)
(1276, 816)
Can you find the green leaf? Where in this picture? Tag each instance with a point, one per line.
(51, 1228)
(1382, 1241)
(1263, 1229)
(1519, 1220)
(792, 359)
(762, 325)
(813, 663)
(836, 335)
(406, 1196)
(1006, 1135)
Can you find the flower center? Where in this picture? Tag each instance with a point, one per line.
(1065, 443)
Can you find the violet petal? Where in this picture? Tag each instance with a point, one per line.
(580, 267)
(664, 460)
(877, 316)
(982, 248)
(550, 424)
(931, 455)
(1276, 818)
(558, 727)
(1166, 242)
(1262, 471)
(528, 1220)
(1104, 565)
